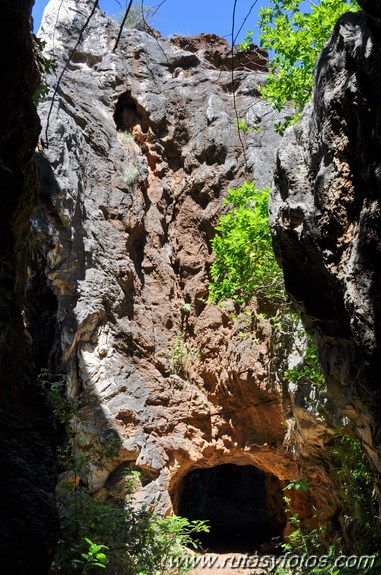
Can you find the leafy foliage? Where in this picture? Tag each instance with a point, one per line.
(299, 484)
(179, 356)
(169, 537)
(301, 539)
(245, 265)
(356, 489)
(55, 385)
(243, 127)
(138, 14)
(94, 557)
(296, 37)
(244, 241)
(50, 65)
(247, 42)
(138, 540)
(308, 370)
(307, 543)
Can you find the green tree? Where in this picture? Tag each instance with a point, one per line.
(296, 37)
(244, 264)
(138, 14)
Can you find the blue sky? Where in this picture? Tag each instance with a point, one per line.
(187, 16)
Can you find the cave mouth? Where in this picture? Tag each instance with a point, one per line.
(243, 505)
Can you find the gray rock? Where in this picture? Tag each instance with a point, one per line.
(142, 145)
(326, 219)
(28, 516)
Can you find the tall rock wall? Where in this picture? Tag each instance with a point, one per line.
(139, 145)
(28, 522)
(326, 218)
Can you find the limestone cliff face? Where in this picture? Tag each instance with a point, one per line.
(27, 479)
(138, 147)
(326, 218)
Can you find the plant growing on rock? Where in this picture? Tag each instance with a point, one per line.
(94, 557)
(308, 370)
(127, 140)
(186, 308)
(171, 536)
(179, 356)
(356, 490)
(244, 264)
(130, 174)
(301, 540)
(315, 557)
(138, 540)
(49, 66)
(295, 37)
(138, 14)
(245, 267)
(131, 171)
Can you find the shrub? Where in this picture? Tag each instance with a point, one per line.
(130, 174)
(244, 264)
(127, 140)
(138, 540)
(49, 66)
(295, 37)
(179, 356)
(308, 370)
(138, 14)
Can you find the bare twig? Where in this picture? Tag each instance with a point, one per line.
(158, 6)
(244, 20)
(146, 23)
(122, 25)
(233, 88)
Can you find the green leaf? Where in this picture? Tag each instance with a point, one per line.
(295, 38)
(244, 264)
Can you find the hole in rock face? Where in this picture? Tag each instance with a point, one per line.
(129, 116)
(238, 502)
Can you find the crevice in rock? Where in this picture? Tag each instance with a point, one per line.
(85, 58)
(28, 518)
(42, 321)
(130, 116)
(135, 248)
(173, 154)
(212, 154)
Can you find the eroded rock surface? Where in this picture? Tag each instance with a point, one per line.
(326, 218)
(28, 522)
(138, 149)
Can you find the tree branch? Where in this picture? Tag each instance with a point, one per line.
(122, 25)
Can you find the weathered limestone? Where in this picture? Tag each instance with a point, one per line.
(326, 218)
(137, 150)
(28, 522)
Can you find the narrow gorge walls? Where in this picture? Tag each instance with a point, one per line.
(104, 268)
(28, 520)
(138, 148)
(326, 218)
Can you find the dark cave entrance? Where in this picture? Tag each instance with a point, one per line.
(244, 506)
